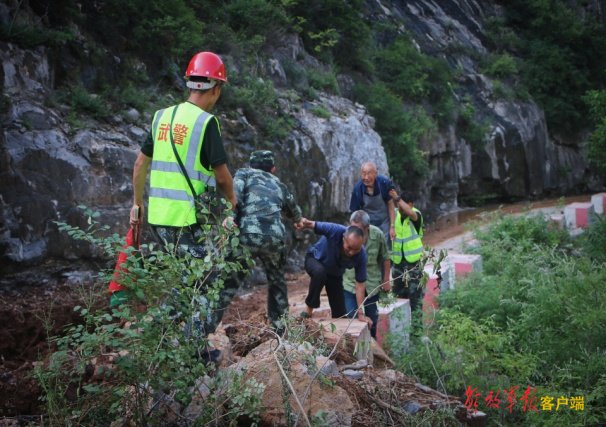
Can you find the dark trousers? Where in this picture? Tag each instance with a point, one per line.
(319, 279)
(272, 254)
(193, 240)
(407, 283)
(371, 309)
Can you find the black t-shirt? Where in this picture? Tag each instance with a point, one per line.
(212, 152)
(417, 224)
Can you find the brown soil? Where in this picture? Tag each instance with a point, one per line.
(28, 316)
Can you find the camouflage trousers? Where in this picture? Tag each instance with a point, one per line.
(407, 283)
(206, 315)
(271, 251)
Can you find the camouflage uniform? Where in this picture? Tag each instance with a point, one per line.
(262, 198)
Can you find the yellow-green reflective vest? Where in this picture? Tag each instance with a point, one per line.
(408, 243)
(171, 202)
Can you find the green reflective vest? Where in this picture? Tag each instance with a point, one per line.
(171, 202)
(408, 243)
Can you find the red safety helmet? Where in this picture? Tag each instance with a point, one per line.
(206, 64)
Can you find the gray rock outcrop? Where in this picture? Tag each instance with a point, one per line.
(519, 158)
(49, 166)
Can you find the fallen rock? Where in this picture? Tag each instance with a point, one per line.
(265, 364)
(353, 374)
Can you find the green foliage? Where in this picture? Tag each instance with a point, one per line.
(416, 77)
(473, 132)
(533, 317)
(593, 240)
(30, 36)
(259, 101)
(335, 30)
(510, 232)
(325, 81)
(596, 101)
(252, 18)
(321, 112)
(82, 102)
(503, 92)
(402, 130)
(145, 353)
(234, 401)
(142, 26)
(563, 51)
(502, 37)
(501, 66)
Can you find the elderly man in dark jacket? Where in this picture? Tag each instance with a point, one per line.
(371, 194)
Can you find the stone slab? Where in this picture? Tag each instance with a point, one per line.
(432, 291)
(446, 273)
(464, 264)
(578, 214)
(356, 330)
(599, 203)
(393, 328)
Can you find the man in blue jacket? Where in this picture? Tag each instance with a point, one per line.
(371, 194)
(338, 249)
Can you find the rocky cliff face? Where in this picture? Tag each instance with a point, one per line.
(519, 158)
(48, 166)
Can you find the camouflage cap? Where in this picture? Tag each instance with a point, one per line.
(262, 158)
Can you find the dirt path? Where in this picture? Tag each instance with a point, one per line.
(451, 230)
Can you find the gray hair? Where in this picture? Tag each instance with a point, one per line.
(360, 217)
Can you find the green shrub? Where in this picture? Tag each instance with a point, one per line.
(596, 101)
(593, 239)
(412, 75)
(501, 66)
(502, 92)
(82, 102)
(325, 81)
(563, 51)
(470, 127)
(251, 18)
(30, 36)
(522, 231)
(402, 130)
(321, 112)
(142, 26)
(335, 30)
(532, 317)
(259, 101)
(145, 360)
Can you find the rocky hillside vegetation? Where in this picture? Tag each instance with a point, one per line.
(463, 102)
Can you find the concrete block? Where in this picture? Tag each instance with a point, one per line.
(446, 273)
(471, 243)
(577, 214)
(599, 203)
(432, 291)
(394, 322)
(463, 264)
(354, 331)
